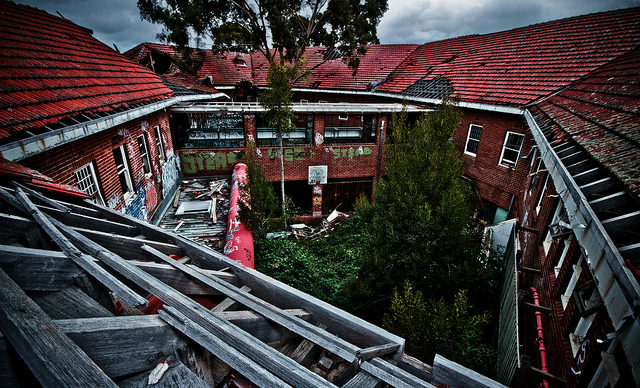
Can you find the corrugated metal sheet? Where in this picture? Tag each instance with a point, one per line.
(508, 339)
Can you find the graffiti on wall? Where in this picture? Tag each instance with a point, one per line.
(170, 173)
(349, 152)
(209, 161)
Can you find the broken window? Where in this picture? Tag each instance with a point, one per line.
(473, 139)
(88, 182)
(302, 134)
(215, 130)
(159, 144)
(349, 129)
(122, 168)
(144, 154)
(511, 149)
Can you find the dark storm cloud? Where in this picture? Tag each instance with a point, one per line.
(407, 21)
(112, 21)
(420, 21)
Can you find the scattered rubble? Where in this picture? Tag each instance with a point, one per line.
(199, 211)
(304, 231)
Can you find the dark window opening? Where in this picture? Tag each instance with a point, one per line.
(348, 129)
(215, 130)
(303, 133)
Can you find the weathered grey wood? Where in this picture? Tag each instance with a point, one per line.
(37, 269)
(623, 223)
(53, 358)
(123, 345)
(41, 197)
(13, 228)
(180, 281)
(202, 363)
(87, 222)
(69, 303)
(536, 307)
(377, 351)
(306, 351)
(391, 374)
(363, 380)
(128, 247)
(82, 209)
(228, 303)
(455, 375)
(74, 254)
(414, 366)
(245, 344)
(13, 372)
(222, 350)
(308, 331)
(348, 374)
(176, 376)
(557, 380)
(258, 326)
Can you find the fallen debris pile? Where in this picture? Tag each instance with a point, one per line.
(304, 231)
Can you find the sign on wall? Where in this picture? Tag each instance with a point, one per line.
(317, 175)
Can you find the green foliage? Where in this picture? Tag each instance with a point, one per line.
(421, 228)
(263, 205)
(438, 326)
(277, 98)
(319, 267)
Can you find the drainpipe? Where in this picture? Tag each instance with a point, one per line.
(540, 339)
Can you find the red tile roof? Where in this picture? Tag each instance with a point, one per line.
(602, 113)
(375, 65)
(51, 69)
(518, 66)
(226, 69)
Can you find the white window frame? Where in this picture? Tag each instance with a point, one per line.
(144, 154)
(563, 255)
(544, 189)
(580, 331)
(577, 270)
(124, 169)
(162, 157)
(504, 147)
(466, 144)
(89, 173)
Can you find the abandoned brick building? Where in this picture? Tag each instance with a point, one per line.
(549, 137)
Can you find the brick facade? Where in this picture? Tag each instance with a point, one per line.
(60, 163)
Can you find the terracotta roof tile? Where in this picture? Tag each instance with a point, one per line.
(51, 68)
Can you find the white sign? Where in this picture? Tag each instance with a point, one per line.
(317, 175)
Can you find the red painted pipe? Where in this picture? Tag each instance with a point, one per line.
(540, 339)
(239, 240)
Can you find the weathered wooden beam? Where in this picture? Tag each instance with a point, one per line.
(598, 186)
(244, 343)
(128, 247)
(553, 378)
(87, 211)
(92, 223)
(613, 201)
(363, 380)
(537, 308)
(306, 350)
(377, 351)
(455, 375)
(180, 281)
(176, 376)
(391, 374)
(222, 349)
(228, 303)
(13, 228)
(37, 269)
(623, 223)
(74, 254)
(529, 270)
(52, 357)
(69, 303)
(41, 197)
(123, 345)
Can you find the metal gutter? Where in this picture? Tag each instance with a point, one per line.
(616, 283)
(33, 145)
(254, 107)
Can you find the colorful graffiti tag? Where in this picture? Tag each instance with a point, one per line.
(209, 161)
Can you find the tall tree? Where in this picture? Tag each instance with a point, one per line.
(421, 226)
(280, 29)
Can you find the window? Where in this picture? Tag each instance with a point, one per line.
(544, 188)
(122, 168)
(159, 144)
(215, 130)
(144, 154)
(88, 182)
(473, 139)
(511, 149)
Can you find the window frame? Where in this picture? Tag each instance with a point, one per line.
(504, 147)
(162, 157)
(126, 170)
(144, 156)
(466, 144)
(93, 177)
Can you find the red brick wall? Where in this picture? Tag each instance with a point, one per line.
(61, 162)
(495, 183)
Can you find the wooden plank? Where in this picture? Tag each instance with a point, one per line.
(51, 356)
(74, 254)
(87, 222)
(308, 331)
(392, 375)
(377, 351)
(13, 372)
(42, 198)
(37, 269)
(178, 280)
(69, 303)
(128, 247)
(456, 375)
(82, 209)
(228, 303)
(624, 223)
(13, 228)
(363, 380)
(176, 376)
(222, 350)
(306, 351)
(245, 344)
(553, 378)
(414, 366)
(537, 308)
(123, 345)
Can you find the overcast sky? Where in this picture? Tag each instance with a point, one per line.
(406, 21)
